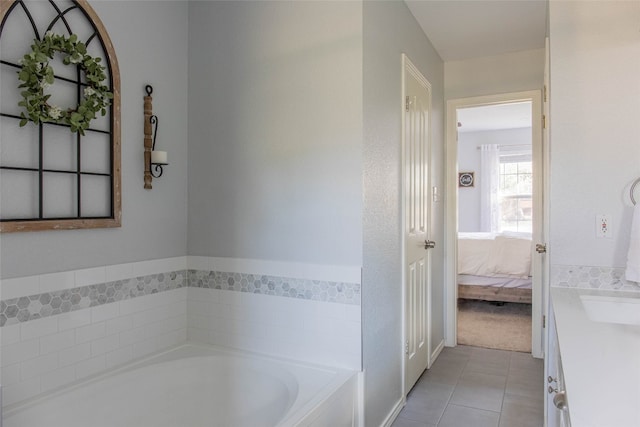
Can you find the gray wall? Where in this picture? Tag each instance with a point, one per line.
(490, 75)
(150, 39)
(595, 131)
(275, 131)
(389, 31)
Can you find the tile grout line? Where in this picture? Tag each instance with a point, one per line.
(499, 413)
(466, 363)
(504, 393)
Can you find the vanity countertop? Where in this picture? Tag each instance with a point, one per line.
(600, 361)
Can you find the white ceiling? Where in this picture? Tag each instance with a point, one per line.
(495, 117)
(464, 29)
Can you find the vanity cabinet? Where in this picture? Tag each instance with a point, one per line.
(556, 402)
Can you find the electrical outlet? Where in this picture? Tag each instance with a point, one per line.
(603, 226)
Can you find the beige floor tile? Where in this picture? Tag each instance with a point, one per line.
(480, 391)
(404, 422)
(445, 370)
(518, 411)
(427, 402)
(477, 387)
(525, 383)
(488, 366)
(483, 379)
(478, 397)
(461, 416)
(526, 362)
(497, 356)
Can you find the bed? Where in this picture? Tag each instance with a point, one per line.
(495, 267)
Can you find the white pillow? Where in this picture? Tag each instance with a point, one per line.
(473, 256)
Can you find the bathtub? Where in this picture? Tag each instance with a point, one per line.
(199, 385)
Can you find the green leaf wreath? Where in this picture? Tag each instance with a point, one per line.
(36, 75)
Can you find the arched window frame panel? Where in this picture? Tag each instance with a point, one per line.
(41, 222)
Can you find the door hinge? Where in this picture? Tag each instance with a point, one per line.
(406, 104)
(406, 347)
(544, 121)
(541, 248)
(544, 93)
(544, 321)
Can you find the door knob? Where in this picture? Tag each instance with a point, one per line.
(429, 244)
(560, 400)
(541, 248)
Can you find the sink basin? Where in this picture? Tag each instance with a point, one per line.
(621, 310)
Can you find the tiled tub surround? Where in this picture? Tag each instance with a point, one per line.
(297, 311)
(32, 307)
(116, 314)
(44, 354)
(40, 305)
(313, 331)
(589, 277)
(23, 309)
(316, 290)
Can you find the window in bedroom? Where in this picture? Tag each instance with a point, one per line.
(516, 188)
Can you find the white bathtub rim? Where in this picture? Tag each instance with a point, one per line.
(8, 410)
(309, 410)
(298, 411)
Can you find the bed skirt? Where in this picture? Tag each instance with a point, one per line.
(492, 293)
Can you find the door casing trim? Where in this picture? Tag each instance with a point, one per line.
(451, 207)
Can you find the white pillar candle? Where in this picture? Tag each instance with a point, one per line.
(159, 157)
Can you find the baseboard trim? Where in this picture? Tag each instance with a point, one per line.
(394, 412)
(359, 415)
(436, 353)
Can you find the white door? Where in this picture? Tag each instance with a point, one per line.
(541, 218)
(416, 147)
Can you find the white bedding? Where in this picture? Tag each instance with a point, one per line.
(491, 255)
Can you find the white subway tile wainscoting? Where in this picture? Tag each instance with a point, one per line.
(61, 328)
(43, 354)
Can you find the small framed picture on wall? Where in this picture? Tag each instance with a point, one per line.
(466, 179)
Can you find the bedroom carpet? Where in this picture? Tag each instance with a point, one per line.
(485, 324)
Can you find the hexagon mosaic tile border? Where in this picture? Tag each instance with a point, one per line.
(317, 290)
(23, 309)
(587, 277)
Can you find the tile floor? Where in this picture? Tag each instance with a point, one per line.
(477, 387)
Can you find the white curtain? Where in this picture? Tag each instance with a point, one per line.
(490, 188)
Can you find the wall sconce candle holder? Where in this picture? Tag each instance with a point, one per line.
(153, 160)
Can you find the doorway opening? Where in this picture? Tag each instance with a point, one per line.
(494, 208)
(495, 224)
